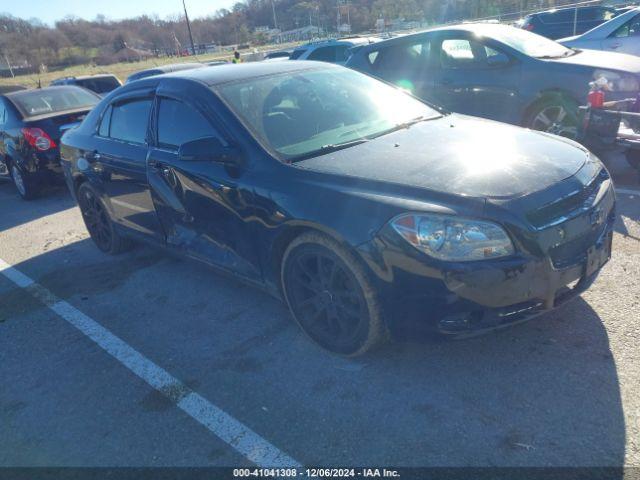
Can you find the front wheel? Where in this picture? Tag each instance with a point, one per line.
(98, 221)
(557, 115)
(330, 295)
(25, 185)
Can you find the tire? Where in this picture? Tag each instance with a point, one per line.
(330, 296)
(557, 115)
(26, 186)
(633, 158)
(98, 222)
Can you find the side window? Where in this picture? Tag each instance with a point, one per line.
(629, 29)
(129, 121)
(179, 123)
(323, 54)
(594, 14)
(466, 54)
(103, 130)
(399, 61)
(3, 114)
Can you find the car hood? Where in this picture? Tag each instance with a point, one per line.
(459, 155)
(604, 60)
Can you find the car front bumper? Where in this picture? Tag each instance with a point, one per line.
(468, 298)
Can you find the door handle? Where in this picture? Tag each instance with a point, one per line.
(160, 167)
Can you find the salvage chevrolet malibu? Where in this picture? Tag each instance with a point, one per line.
(367, 211)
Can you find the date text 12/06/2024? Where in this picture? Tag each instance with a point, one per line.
(316, 472)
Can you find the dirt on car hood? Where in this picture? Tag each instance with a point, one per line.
(460, 155)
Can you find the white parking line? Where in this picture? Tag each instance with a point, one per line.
(240, 437)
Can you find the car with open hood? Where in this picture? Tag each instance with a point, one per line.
(367, 211)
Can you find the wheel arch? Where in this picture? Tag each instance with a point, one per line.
(544, 95)
(288, 234)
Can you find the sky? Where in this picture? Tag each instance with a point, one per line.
(51, 10)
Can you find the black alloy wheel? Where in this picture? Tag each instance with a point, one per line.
(98, 222)
(330, 296)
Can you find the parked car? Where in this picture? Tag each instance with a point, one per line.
(563, 22)
(620, 34)
(365, 209)
(499, 72)
(331, 51)
(31, 124)
(11, 88)
(173, 67)
(277, 54)
(100, 84)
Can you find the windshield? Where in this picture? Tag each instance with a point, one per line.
(304, 113)
(530, 44)
(52, 100)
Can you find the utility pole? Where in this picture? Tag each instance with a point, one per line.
(275, 20)
(193, 48)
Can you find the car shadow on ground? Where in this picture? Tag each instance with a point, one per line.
(52, 200)
(545, 393)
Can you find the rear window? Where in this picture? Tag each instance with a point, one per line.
(323, 54)
(57, 99)
(100, 85)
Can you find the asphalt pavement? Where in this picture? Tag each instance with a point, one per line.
(144, 359)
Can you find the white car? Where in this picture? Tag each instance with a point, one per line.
(620, 34)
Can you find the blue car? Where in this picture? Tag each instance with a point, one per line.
(564, 22)
(499, 72)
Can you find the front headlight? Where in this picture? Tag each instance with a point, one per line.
(452, 238)
(618, 82)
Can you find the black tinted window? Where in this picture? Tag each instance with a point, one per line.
(178, 123)
(406, 59)
(323, 54)
(296, 54)
(129, 121)
(560, 16)
(100, 85)
(595, 14)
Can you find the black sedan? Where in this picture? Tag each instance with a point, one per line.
(366, 210)
(31, 124)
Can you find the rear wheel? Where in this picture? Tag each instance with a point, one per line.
(25, 185)
(556, 115)
(98, 221)
(330, 296)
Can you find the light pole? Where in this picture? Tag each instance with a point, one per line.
(193, 48)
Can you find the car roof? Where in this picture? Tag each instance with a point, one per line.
(173, 67)
(233, 72)
(479, 28)
(580, 7)
(31, 91)
(353, 41)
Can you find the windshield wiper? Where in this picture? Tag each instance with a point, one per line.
(331, 147)
(404, 125)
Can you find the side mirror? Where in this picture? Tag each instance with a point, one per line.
(208, 149)
(498, 60)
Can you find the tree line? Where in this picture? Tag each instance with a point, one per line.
(73, 40)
